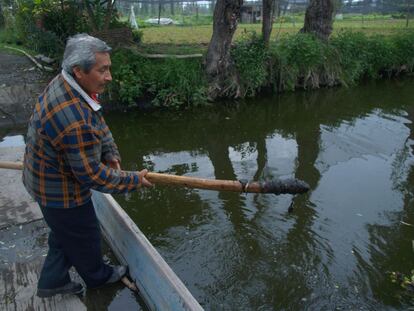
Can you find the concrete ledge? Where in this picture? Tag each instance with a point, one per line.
(16, 205)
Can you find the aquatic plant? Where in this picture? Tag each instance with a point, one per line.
(406, 283)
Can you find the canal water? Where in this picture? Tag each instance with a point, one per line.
(335, 250)
(338, 246)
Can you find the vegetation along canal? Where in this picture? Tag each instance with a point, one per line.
(339, 246)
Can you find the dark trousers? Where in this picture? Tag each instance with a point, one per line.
(74, 240)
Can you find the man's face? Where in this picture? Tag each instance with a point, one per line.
(98, 77)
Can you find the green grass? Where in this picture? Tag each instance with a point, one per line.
(166, 48)
(201, 35)
(6, 41)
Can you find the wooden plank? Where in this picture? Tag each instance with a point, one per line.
(158, 284)
(184, 56)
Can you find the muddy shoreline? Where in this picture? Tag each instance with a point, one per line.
(20, 84)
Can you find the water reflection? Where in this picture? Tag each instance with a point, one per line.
(245, 251)
(390, 243)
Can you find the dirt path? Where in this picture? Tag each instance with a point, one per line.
(20, 83)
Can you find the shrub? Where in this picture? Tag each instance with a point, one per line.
(66, 21)
(137, 35)
(173, 83)
(44, 25)
(177, 83)
(380, 56)
(298, 60)
(8, 33)
(44, 41)
(29, 29)
(404, 49)
(352, 53)
(127, 84)
(250, 57)
(362, 56)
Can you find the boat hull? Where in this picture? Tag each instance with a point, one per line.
(159, 286)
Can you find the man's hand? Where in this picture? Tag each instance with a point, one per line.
(142, 180)
(114, 164)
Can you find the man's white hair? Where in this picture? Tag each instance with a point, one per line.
(80, 51)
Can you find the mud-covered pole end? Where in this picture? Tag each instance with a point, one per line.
(286, 186)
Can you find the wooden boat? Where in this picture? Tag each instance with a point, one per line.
(158, 285)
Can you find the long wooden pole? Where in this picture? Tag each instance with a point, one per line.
(278, 186)
(11, 165)
(291, 186)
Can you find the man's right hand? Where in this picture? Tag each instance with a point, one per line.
(142, 180)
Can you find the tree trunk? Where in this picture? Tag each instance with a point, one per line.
(154, 7)
(267, 20)
(276, 8)
(108, 15)
(159, 11)
(407, 14)
(91, 16)
(144, 9)
(285, 6)
(319, 18)
(217, 62)
(2, 23)
(172, 8)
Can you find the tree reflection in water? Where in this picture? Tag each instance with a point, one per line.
(247, 250)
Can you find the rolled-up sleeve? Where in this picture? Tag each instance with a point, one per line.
(82, 149)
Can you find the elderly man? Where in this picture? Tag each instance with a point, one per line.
(69, 151)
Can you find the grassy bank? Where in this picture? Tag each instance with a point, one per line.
(295, 61)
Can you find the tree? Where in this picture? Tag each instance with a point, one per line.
(217, 62)
(2, 23)
(100, 13)
(407, 13)
(267, 19)
(319, 18)
(109, 13)
(172, 11)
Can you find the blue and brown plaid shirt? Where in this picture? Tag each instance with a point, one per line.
(66, 146)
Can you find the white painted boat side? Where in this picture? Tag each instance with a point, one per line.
(159, 286)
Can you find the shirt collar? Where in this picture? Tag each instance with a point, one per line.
(92, 103)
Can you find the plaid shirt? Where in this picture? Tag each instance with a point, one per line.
(66, 145)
